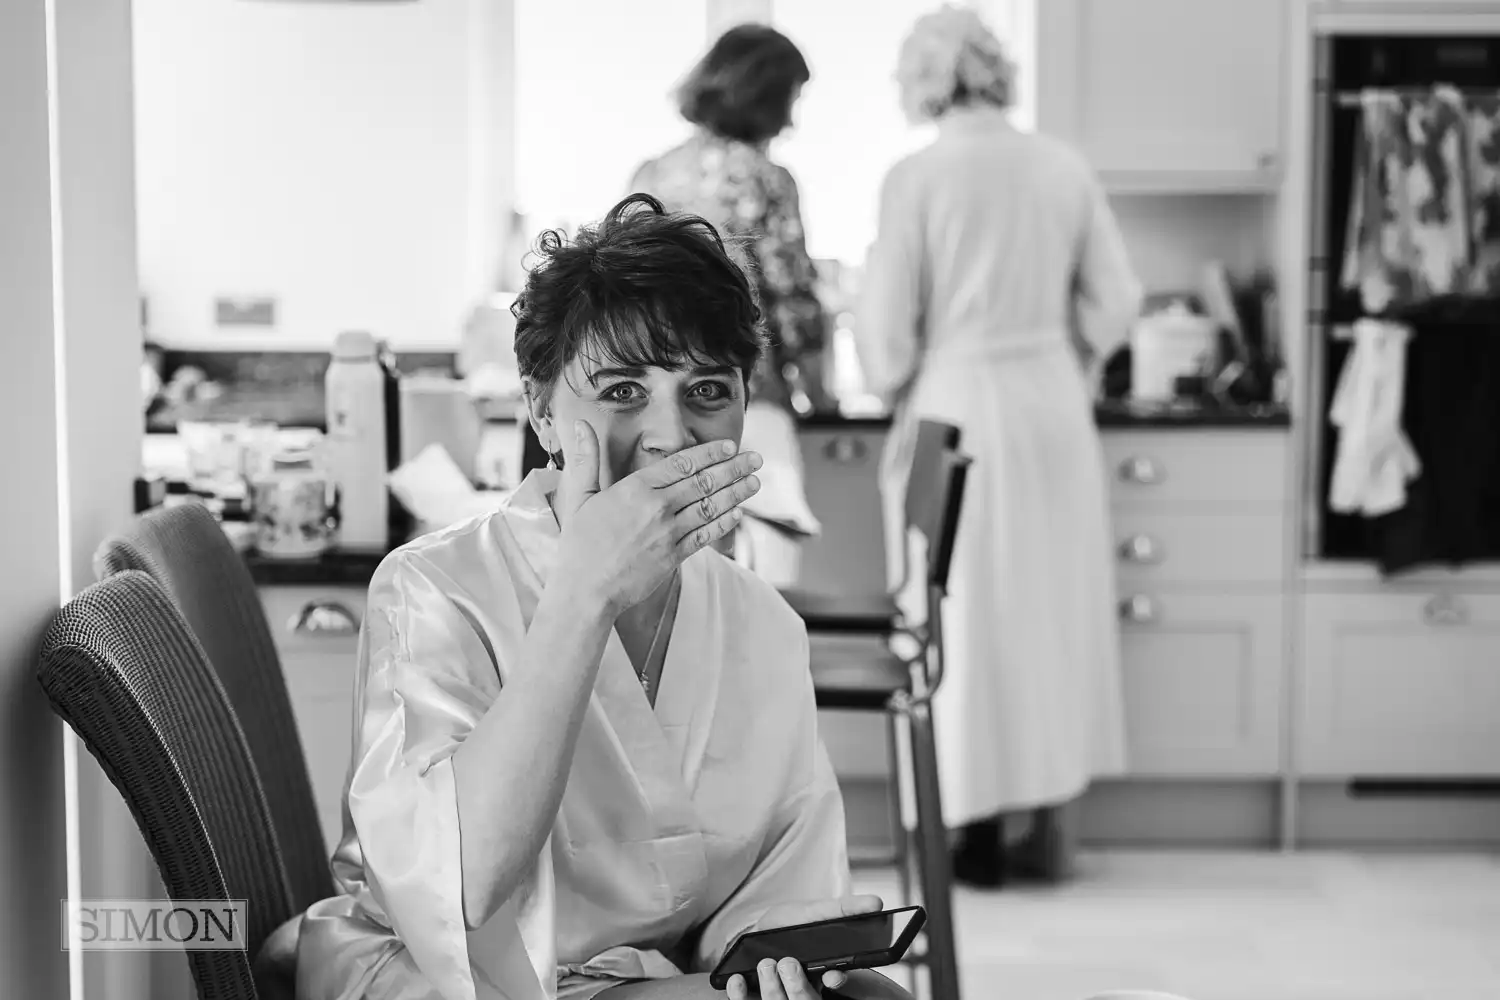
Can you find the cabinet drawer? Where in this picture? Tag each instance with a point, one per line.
(1212, 471)
(1202, 679)
(1401, 684)
(314, 617)
(1153, 547)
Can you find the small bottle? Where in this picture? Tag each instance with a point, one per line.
(355, 389)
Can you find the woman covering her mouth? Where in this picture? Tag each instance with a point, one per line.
(587, 754)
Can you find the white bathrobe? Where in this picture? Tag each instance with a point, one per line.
(679, 827)
(996, 249)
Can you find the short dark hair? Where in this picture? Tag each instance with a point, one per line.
(642, 288)
(742, 87)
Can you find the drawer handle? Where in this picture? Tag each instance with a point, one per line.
(1138, 609)
(1141, 470)
(1141, 549)
(324, 618)
(1444, 610)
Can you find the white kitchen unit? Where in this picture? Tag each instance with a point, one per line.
(1199, 518)
(1171, 96)
(316, 629)
(1403, 682)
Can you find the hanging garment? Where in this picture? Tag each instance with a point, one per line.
(1484, 173)
(1410, 233)
(1375, 460)
(1451, 413)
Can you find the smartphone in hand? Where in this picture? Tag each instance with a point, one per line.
(862, 941)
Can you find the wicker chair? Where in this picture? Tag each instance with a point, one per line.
(186, 552)
(122, 668)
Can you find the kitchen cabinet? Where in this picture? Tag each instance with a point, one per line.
(1166, 95)
(1218, 471)
(1199, 522)
(1400, 683)
(1202, 681)
(316, 630)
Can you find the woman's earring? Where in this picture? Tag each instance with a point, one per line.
(551, 462)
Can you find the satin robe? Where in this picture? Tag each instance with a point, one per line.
(680, 825)
(996, 254)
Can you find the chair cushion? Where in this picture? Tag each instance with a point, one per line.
(855, 672)
(869, 613)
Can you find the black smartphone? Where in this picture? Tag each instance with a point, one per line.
(863, 941)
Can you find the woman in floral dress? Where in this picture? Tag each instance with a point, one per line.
(739, 97)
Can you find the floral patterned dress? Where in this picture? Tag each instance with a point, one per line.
(737, 187)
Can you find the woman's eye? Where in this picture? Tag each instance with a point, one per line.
(711, 390)
(621, 393)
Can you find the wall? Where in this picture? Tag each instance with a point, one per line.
(1170, 236)
(69, 403)
(340, 157)
(32, 827)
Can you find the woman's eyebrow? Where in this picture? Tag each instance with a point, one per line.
(603, 373)
(716, 370)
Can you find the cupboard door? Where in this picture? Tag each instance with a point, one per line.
(317, 635)
(1202, 679)
(1399, 684)
(1166, 94)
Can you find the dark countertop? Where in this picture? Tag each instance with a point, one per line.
(1111, 414)
(335, 569)
(1119, 414)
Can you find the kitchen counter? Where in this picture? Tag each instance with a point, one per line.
(350, 568)
(1120, 413)
(1111, 413)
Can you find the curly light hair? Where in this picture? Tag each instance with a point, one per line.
(952, 58)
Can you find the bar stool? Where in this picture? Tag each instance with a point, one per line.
(857, 666)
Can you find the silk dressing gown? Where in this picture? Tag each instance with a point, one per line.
(996, 253)
(680, 825)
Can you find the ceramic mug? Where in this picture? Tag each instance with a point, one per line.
(294, 507)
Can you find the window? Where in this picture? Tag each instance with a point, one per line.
(594, 82)
(849, 124)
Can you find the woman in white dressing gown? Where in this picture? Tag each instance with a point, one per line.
(679, 822)
(585, 645)
(996, 255)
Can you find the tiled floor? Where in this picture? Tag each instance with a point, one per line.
(1239, 927)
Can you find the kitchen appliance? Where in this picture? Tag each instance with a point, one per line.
(1167, 345)
(294, 507)
(437, 409)
(355, 388)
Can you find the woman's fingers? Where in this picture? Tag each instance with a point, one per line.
(677, 467)
(738, 989)
(770, 981)
(705, 535)
(794, 980)
(713, 506)
(692, 490)
(834, 980)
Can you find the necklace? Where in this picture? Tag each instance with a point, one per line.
(654, 654)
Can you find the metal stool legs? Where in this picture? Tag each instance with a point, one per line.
(930, 842)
